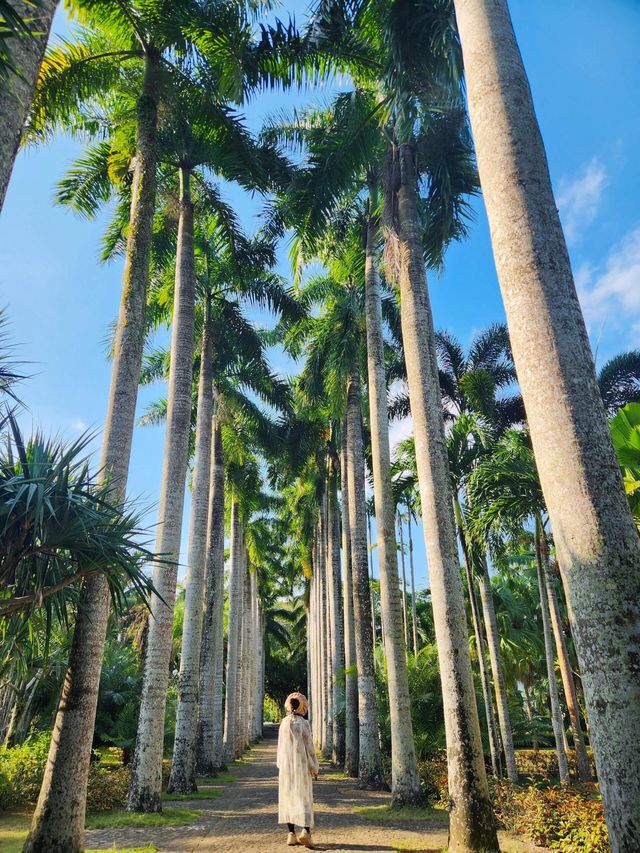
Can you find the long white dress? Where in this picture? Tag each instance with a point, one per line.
(296, 762)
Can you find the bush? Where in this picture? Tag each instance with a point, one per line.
(543, 763)
(567, 819)
(22, 768)
(107, 789)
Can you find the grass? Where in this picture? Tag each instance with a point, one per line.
(206, 794)
(384, 814)
(334, 777)
(414, 847)
(117, 819)
(13, 831)
(215, 780)
(151, 848)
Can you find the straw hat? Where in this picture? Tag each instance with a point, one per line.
(302, 708)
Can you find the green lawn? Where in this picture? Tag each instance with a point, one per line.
(413, 847)
(406, 813)
(150, 849)
(215, 780)
(118, 819)
(201, 794)
(13, 831)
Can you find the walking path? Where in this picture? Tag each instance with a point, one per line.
(244, 819)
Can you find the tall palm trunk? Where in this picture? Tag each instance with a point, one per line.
(58, 821)
(472, 825)
(566, 672)
(370, 775)
(16, 92)
(554, 699)
(404, 583)
(239, 672)
(374, 627)
(146, 774)
(596, 539)
(337, 649)
(351, 727)
(233, 636)
(210, 752)
(183, 766)
(492, 731)
(405, 784)
(327, 627)
(497, 668)
(414, 617)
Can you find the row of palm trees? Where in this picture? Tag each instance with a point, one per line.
(388, 166)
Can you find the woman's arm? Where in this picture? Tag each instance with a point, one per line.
(312, 758)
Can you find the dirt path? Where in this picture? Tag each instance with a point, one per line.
(244, 819)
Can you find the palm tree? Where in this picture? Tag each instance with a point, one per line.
(21, 56)
(505, 492)
(619, 381)
(597, 541)
(390, 104)
(332, 179)
(351, 740)
(334, 347)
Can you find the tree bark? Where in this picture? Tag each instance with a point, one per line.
(497, 668)
(414, 617)
(183, 767)
(554, 699)
(233, 636)
(596, 540)
(472, 825)
(370, 775)
(405, 785)
(492, 731)
(568, 681)
(372, 591)
(58, 821)
(146, 773)
(16, 92)
(337, 627)
(404, 585)
(209, 750)
(351, 727)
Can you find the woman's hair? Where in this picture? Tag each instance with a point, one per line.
(294, 704)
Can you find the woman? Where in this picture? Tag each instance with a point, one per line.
(298, 764)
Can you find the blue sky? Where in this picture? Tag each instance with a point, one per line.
(581, 56)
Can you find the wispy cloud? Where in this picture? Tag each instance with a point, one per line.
(78, 425)
(610, 293)
(579, 199)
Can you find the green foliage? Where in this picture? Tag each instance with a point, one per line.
(571, 820)
(272, 711)
(625, 432)
(22, 769)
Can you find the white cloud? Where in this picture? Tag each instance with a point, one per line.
(579, 199)
(610, 294)
(78, 425)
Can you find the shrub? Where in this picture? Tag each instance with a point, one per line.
(22, 768)
(567, 819)
(543, 763)
(107, 789)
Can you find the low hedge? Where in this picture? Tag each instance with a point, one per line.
(567, 819)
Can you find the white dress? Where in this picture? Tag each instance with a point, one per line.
(296, 761)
